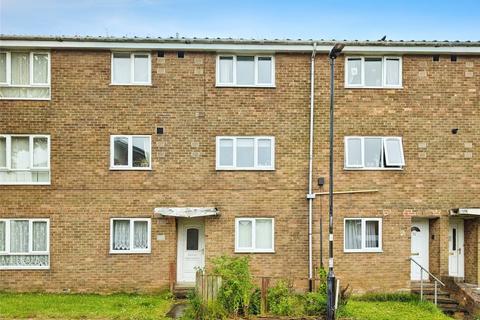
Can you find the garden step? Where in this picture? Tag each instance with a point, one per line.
(181, 292)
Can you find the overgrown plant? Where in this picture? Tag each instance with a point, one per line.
(282, 300)
(199, 310)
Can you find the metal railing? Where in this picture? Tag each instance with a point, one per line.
(437, 281)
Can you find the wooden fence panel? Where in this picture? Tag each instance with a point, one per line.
(207, 286)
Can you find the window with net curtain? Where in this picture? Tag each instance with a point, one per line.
(362, 235)
(254, 235)
(131, 68)
(27, 245)
(243, 70)
(249, 153)
(130, 235)
(373, 72)
(24, 159)
(24, 75)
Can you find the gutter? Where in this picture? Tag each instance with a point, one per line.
(311, 195)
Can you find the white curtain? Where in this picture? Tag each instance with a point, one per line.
(20, 68)
(245, 70)
(3, 152)
(140, 235)
(39, 234)
(226, 70)
(19, 236)
(264, 70)
(393, 71)
(40, 68)
(226, 152)
(245, 234)
(373, 72)
(3, 67)
(121, 68)
(264, 152)
(2, 236)
(354, 71)
(373, 152)
(245, 154)
(121, 235)
(40, 152)
(20, 153)
(353, 234)
(140, 67)
(371, 234)
(263, 234)
(141, 152)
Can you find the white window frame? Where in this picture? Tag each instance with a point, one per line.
(255, 167)
(132, 69)
(234, 76)
(8, 138)
(130, 153)
(384, 73)
(394, 167)
(364, 248)
(8, 83)
(132, 250)
(30, 244)
(252, 249)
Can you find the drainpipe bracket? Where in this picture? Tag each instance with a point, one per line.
(311, 196)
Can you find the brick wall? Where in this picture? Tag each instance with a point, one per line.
(85, 110)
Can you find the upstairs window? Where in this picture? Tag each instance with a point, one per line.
(24, 159)
(130, 235)
(25, 75)
(130, 152)
(245, 153)
(254, 235)
(245, 71)
(374, 153)
(373, 72)
(131, 68)
(24, 244)
(363, 235)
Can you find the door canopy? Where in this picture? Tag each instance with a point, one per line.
(186, 212)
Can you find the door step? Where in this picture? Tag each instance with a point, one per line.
(445, 301)
(181, 290)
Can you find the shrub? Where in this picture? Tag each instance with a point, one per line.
(236, 290)
(255, 302)
(282, 301)
(198, 310)
(315, 303)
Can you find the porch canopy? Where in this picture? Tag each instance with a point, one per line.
(465, 212)
(186, 212)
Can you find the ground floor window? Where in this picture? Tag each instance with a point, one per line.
(254, 235)
(24, 244)
(363, 235)
(130, 235)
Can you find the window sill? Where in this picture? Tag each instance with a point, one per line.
(24, 268)
(254, 251)
(129, 252)
(373, 169)
(27, 99)
(130, 169)
(131, 84)
(25, 183)
(244, 169)
(370, 87)
(363, 251)
(266, 86)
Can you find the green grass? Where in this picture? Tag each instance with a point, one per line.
(84, 306)
(391, 307)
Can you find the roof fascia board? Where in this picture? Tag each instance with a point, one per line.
(232, 47)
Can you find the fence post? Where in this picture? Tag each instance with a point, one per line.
(263, 298)
(171, 276)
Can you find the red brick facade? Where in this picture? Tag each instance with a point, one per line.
(84, 110)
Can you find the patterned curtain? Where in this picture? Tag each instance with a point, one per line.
(121, 235)
(140, 235)
(19, 236)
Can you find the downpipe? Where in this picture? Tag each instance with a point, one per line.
(311, 195)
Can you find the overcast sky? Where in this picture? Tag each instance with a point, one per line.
(327, 19)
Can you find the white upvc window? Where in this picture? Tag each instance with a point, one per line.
(362, 235)
(373, 72)
(24, 243)
(374, 153)
(131, 68)
(245, 71)
(254, 235)
(245, 153)
(130, 235)
(24, 159)
(25, 75)
(130, 152)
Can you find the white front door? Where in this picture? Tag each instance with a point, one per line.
(190, 248)
(419, 247)
(456, 249)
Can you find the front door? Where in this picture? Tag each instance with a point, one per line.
(190, 248)
(419, 248)
(456, 249)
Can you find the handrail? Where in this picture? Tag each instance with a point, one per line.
(421, 280)
(418, 264)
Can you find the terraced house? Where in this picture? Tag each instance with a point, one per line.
(125, 162)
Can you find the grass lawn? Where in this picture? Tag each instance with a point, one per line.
(392, 310)
(83, 306)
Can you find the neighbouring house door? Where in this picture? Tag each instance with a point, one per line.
(419, 247)
(190, 248)
(456, 249)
